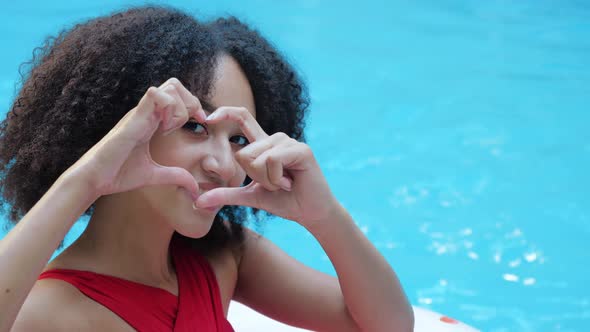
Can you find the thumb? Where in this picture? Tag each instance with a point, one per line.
(245, 196)
(175, 176)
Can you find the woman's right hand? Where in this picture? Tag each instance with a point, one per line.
(121, 161)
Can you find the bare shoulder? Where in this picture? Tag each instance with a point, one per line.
(54, 305)
(225, 265)
(50, 306)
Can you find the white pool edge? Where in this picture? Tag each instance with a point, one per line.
(244, 319)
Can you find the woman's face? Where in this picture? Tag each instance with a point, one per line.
(205, 151)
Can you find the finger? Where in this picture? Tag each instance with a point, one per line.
(292, 157)
(245, 120)
(271, 161)
(258, 172)
(244, 196)
(153, 100)
(251, 151)
(174, 176)
(276, 171)
(176, 116)
(192, 103)
(267, 167)
(150, 110)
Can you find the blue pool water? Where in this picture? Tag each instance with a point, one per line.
(455, 132)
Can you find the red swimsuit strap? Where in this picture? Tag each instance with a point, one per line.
(143, 307)
(147, 308)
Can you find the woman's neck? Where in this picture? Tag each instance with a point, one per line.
(126, 239)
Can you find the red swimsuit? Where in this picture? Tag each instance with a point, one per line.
(145, 308)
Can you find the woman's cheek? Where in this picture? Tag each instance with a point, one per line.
(239, 178)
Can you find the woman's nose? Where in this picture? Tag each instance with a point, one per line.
(220, 161)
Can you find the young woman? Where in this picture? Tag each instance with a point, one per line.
(163, 129)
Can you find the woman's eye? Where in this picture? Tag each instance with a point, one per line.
(196, 127)
(239, 140)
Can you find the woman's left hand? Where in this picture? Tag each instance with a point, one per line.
(286, 179)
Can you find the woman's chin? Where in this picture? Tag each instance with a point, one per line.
(194, 229)
(190, 220)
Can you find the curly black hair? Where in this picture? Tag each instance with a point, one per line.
(82, 82)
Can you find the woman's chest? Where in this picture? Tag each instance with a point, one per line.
(98, 317)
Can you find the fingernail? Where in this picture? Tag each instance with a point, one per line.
(202, 202)
(195, 196)
(285, 184)
(212, 116)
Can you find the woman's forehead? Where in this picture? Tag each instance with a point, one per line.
(230, 87)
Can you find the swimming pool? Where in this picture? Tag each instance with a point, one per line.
(453, 131)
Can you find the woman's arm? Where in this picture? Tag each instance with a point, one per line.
(119, 162)
(27, 248)
(371, 289)
(288, 182)
(366, 295)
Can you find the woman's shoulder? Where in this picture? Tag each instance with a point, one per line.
(225, 264)
(229, 257)
(55, 305)
(48, 306)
